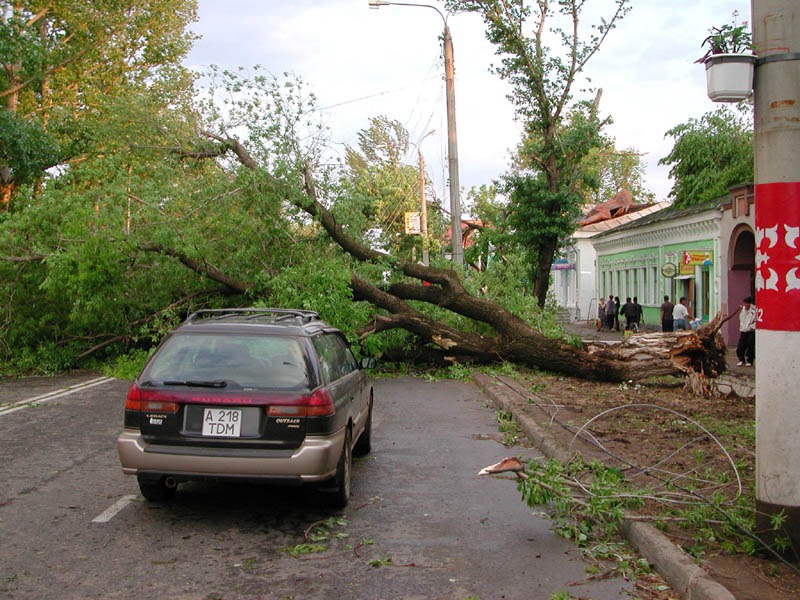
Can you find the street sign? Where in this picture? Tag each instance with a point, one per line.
(412, 222)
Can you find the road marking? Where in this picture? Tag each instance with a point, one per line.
(36, 400)
(112, 510)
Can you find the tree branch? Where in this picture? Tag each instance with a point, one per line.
(200, 266)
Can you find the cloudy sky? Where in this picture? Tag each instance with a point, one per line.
(364, 62)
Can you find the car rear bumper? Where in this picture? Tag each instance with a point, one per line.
(314, 461)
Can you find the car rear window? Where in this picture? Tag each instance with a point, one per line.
(268, 362)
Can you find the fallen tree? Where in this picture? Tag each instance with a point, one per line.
(512, 339)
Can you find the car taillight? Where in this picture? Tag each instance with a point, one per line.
(149, 401)
(320, 404)
(287, 411)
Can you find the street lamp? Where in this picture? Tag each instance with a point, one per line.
(423, 202)
(452, 144)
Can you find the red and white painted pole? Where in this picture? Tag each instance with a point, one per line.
(776, 36)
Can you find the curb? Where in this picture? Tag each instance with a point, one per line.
(686, 578)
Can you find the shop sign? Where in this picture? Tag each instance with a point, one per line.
(669, 270)
(692, 259)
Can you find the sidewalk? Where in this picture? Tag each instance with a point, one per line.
(680, 570)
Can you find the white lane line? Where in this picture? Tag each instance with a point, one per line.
(35, 400)
(112, 510)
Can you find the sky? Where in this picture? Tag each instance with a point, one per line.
(363, 63)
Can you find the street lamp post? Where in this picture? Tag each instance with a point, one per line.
(423, 202)
(452, 143)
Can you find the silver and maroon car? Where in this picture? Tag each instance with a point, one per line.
(269, 395)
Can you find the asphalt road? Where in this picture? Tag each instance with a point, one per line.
(420, 525)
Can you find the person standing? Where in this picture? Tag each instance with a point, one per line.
(616, 313)
(637, 314)
(601, 313)
(680, 315)
(746, 348)
(629, 312)
(611, 312)
(666, 314)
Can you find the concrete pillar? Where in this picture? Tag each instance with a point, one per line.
(776, 35)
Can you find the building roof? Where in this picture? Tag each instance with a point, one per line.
(621, 203)
(666, 212)
(636, 215)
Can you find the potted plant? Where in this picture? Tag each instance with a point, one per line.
(729, 62)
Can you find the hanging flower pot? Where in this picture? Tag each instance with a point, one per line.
(729, 77)
(729, 62)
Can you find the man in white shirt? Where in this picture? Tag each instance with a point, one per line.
(680, 315)
(746, 348)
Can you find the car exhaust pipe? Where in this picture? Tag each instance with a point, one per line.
(170, 482)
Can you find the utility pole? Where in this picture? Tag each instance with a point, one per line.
(423, 207)
(452, 149)
(452, 141)
(776, 36)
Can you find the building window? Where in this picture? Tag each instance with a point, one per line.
(653, 290)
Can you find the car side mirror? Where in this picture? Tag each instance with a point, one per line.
(368, 362)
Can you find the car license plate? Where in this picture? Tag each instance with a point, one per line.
(222, 422)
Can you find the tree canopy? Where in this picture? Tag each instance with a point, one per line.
(543, 48)
(62, 62)
(710, 155)
(174, 197)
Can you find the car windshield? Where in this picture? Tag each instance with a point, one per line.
(257, 362)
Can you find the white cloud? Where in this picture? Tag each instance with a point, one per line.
(363, 63)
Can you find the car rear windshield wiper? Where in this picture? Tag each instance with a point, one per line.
(219, 383)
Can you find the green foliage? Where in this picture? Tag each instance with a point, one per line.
(321, 285)
(157, 211)
(303, 549)
(541, 218)
(126, 366)
(608, 170)
(710, 155)
(318, 537)
(384, 561)
(730, 38)
(494, 241)
(596, 516)
(509, 427)
(46, 358)
(379, 188)
(25, 147)
(459, 372)
(49, 69)
(587, 503)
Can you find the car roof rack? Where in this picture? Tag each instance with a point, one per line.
(271, 314)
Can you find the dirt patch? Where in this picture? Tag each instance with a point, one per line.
(682, 449)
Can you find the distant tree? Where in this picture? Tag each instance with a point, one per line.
(711, 154)
(558, 132)
(382, 187)
(609, 170)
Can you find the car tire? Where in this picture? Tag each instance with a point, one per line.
(157, 489)
(364, 443)
(340, 494)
